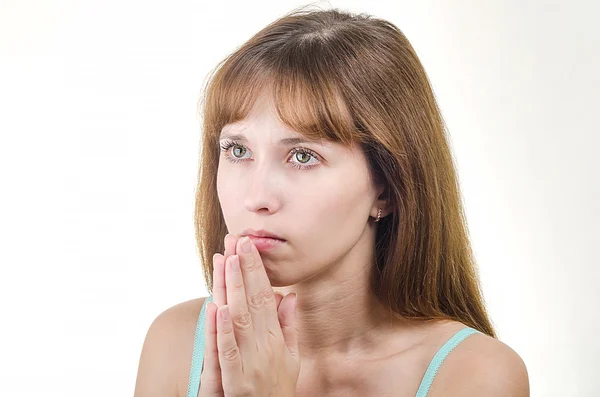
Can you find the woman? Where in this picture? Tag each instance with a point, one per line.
(323, 143)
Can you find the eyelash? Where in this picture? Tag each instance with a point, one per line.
(229, 144)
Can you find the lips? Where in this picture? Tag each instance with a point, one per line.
(264, 244)
(261, 233)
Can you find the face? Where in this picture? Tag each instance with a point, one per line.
(317, 196)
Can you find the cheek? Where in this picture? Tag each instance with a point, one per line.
(220, 186)
(334, 218)
(226, 191)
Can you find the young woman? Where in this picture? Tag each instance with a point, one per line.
(323, 143)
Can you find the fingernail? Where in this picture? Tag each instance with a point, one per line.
(235, 263)
(224, 312)
(246, 245)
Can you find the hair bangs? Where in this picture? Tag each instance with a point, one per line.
(309, 102)
(308, 99)
(231, 95)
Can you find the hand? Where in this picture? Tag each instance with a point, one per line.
(219, 288)
(255, 352)
(211, 384)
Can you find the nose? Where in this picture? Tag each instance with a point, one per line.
(262, 190)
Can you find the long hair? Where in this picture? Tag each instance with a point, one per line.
(356, 79)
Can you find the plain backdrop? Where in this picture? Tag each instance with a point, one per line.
(99, 146)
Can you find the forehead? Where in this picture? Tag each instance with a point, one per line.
(262, 113)
(262, 120)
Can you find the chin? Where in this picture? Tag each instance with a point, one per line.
(278, 279)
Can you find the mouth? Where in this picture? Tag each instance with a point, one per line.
(253, 237)
(265, 243)
(257, 234)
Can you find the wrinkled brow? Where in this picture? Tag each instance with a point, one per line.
(284, 141)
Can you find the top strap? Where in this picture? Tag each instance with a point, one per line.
(198, 354)
(439, 357)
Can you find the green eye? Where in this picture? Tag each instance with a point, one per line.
(307, 156)
(241, 148)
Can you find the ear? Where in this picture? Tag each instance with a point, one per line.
(383, 202)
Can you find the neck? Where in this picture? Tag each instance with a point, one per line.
(337, 312)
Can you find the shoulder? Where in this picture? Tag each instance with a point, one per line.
(483, 366)
(166, 355)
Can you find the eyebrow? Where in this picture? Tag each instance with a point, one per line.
(284, 141)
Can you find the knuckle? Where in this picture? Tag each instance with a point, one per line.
(231, 354)
(260, 299)
(243, 320)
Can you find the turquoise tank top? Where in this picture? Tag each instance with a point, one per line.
(434, 365)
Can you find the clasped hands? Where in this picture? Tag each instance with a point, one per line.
(251, 335)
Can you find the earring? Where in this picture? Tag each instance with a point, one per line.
(378, 215)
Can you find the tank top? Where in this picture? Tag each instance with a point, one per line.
(199, 345)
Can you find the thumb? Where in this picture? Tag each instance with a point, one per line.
(278, 297)
(287, 320)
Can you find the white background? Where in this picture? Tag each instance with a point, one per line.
(99, 142)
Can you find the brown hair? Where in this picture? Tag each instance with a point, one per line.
(356, 79)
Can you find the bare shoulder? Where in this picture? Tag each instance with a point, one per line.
(166, 355)
(481, 366)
